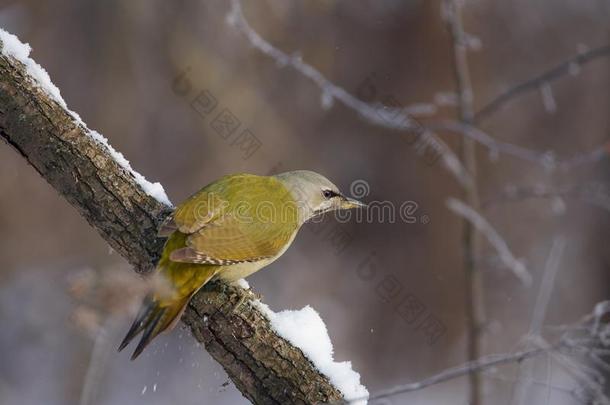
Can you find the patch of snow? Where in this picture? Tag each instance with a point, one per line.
(153, 189)
(13, 47)
(306, 330)
(242, 283)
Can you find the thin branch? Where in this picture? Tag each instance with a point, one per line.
(548, 282)
(595, 194)
(512, 381)
(547, 160)
(476, 366)
(102, 349)
(474, 289)
(542, 301)
(494, 238)
(379, 116)
(399, 119)
(493, 145)
(590, 325)
(567, 67)
(376, 114)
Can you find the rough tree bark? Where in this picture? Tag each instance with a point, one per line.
(263, 366)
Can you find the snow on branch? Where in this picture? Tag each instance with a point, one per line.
(306, 330)
(494, 238)
(122, 207)
(14, 48)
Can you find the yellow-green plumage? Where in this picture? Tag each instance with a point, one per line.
(228, 230)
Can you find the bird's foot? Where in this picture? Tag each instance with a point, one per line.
(242, 299)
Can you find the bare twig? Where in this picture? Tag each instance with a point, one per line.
(548, 282)
(372, 113)
(593, 193)
(548, 160)
(511, 381)
(399, 119)
(494, 238)
(103, 347)
(539, 314)
(472, 367)
(570, 66)
(566, 347)
(388, 118)
(474, 294)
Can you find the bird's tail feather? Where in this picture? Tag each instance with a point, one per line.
(153, 318)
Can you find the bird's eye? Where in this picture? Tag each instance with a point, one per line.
(328, 194)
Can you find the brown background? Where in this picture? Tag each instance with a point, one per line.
(115, 62)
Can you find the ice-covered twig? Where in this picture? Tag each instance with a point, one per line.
(476, 366)
(374, 113)
(592, 156)
(389, 118)
(451, 13)
(547, 160)
(570, 66)
(601, 310)
(539, 314)
(487, 141)
(565, 348)
(103, 346)
(590, 381)
(552, 266)
(593, 193)
(400, 120)
(494, 238)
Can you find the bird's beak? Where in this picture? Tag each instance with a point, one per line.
(348, 203)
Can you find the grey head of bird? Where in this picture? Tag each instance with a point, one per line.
(314, 194)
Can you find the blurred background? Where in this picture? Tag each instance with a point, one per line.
(132, 70)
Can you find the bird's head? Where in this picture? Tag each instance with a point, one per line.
(315, 194)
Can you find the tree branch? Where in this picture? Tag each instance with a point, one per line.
(266, 368)
(570, 66)
(474, 286)
(375, 113)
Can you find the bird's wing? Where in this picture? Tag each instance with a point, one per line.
(202, 207)
(212, 201)
(197, 211)
(231, 240)
(240, 218)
